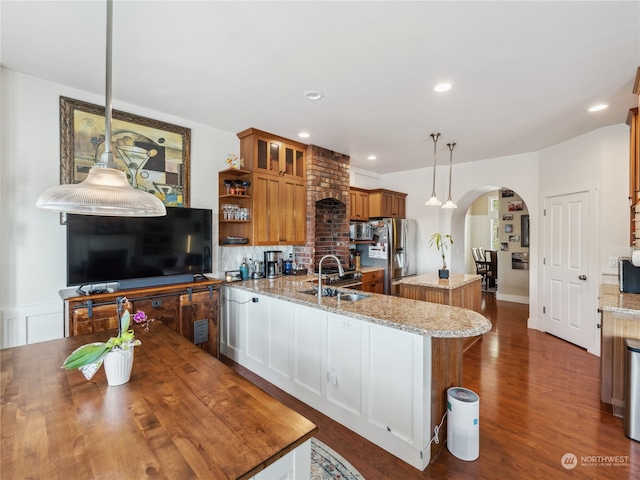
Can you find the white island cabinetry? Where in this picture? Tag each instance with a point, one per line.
(373, 379)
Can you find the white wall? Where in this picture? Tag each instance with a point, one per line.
(32, 241)
(597, 162)
(600, 157)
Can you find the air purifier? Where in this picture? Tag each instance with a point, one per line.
(463, 423)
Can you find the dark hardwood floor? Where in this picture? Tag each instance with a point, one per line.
(539, 400)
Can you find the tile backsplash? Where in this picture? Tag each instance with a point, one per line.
(230, 258)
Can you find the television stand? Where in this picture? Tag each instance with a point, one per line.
(180, 306)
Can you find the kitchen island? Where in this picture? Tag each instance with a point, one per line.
(459, 290)
(183, 414)
(377, 365)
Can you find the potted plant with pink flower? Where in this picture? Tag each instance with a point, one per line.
(116, 353)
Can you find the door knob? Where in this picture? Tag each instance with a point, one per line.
(582, 277)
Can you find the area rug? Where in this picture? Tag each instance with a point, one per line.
(326, 464)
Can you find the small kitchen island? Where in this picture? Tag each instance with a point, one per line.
(376, 365)
(459, 290)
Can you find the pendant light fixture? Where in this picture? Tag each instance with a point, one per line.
(434, 198)
(106, 190)
(449, 203)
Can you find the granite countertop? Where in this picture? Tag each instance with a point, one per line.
(414, 316)
(613, 300)
(455, 280)
(364, 269)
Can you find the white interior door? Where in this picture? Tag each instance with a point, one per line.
(566, 306)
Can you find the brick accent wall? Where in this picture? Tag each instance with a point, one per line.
(327, 207)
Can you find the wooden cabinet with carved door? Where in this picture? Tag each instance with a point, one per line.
(177, 306)
(358, 204)
(198, 320)
(92, 319)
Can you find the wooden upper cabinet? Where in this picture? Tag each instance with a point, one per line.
(279, 200)
(358, 204)
(293, 218)
(271, 154)
(387, 203)
(279, 210)
(266, 210)
(634, 164)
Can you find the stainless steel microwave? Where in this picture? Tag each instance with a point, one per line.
(360, 231)
(629, 276)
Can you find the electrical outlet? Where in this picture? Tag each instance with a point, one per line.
(332, 376)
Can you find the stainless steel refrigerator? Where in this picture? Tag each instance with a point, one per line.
(394, 248)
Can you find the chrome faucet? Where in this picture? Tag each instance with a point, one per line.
(340, 270)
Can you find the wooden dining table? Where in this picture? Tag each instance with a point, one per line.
(183, 414)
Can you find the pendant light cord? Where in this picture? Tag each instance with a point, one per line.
(435, 137)
(106, 159)
(451, 147)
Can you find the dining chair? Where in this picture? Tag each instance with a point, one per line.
(482, 266)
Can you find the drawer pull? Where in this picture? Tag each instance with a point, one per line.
(156, 303)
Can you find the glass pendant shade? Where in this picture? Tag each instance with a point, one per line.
(449, 204)
(433, 201)
(106, 190)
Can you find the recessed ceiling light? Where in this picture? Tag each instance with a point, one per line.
(313, 95)
(597, 108)
(372, 157)
(303, 135)
(442, 87)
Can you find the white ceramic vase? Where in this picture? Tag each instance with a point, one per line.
(118, 365)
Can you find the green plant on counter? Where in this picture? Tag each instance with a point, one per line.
(441, 242)
(88, 358)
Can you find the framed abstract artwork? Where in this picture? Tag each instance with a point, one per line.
(154, 155)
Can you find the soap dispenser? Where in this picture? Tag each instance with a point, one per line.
(244, 269)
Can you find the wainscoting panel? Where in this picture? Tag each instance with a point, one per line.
(31, 324)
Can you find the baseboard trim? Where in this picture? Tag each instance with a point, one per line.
(512, 298)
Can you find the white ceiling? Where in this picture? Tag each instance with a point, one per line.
(523, 73)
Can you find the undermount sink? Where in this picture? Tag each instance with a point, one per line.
(347, 296)
(352, 297)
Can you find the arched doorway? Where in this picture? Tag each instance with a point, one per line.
(496, 219)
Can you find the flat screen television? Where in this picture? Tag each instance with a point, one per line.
(112, 249)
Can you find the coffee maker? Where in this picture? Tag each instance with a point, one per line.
(273, 263)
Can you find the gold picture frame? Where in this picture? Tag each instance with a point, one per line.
(155, 155)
